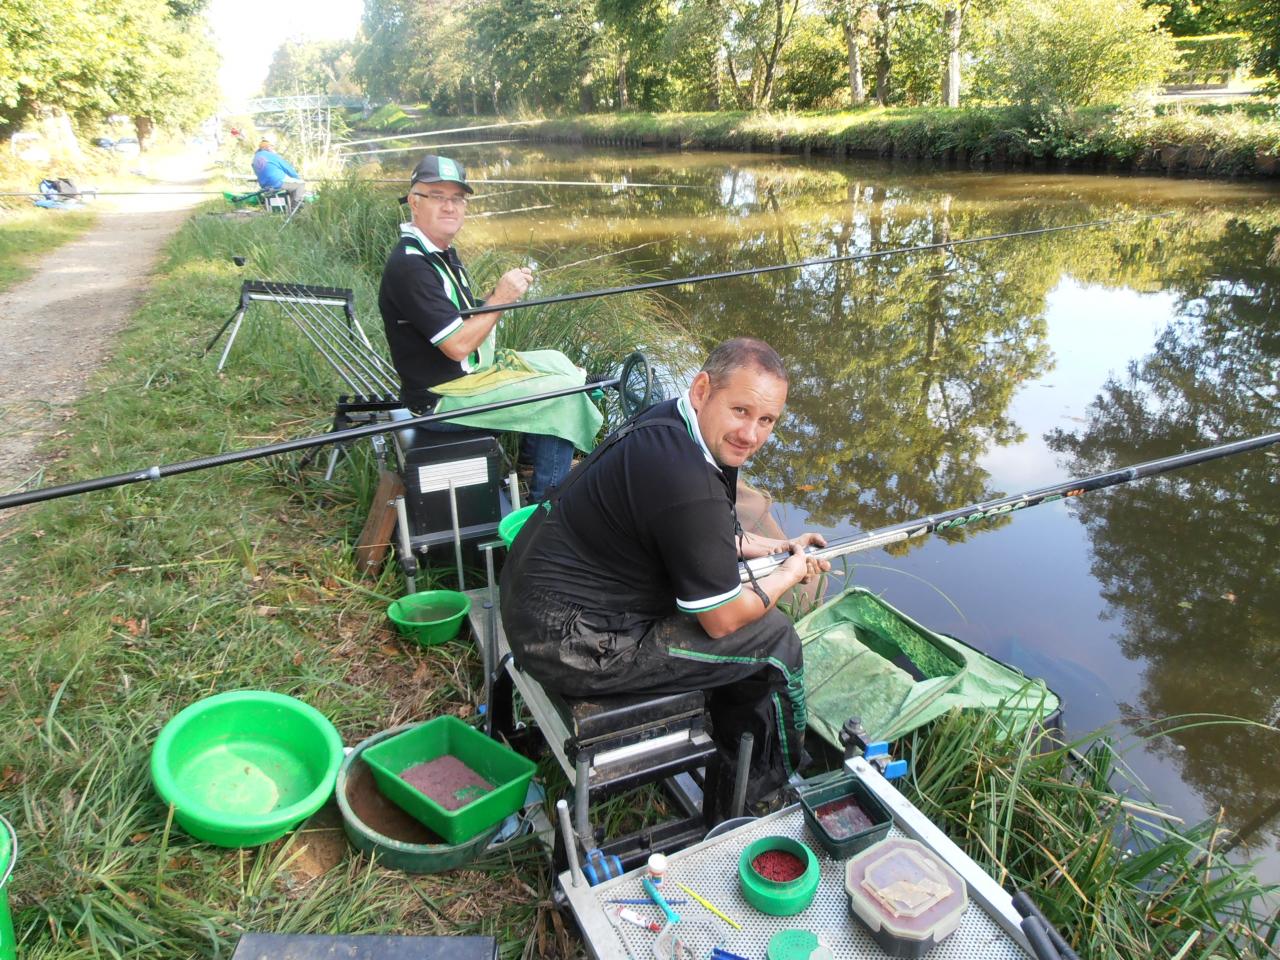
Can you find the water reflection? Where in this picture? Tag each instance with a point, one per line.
(1178, 557)
(929, 380)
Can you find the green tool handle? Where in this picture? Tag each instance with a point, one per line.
(657, 898)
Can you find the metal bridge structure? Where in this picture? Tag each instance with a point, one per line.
(307, 118)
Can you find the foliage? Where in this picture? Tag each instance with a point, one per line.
(1215, 141)
(1212, 58)
(1057, 54)
(812, 68)
(311, 67)
(1261, 20)
(918, 50)
(1113, 875)
(92, 58)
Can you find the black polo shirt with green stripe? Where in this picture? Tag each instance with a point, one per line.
(647, 531)
(423, 288)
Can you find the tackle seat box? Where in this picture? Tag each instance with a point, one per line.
(428, 460)
(626, 740)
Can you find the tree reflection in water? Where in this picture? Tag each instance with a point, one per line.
(1178, 557)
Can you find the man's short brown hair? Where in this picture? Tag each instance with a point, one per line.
(743, 352)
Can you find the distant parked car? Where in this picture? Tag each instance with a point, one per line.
(128, 146)
(106, 143)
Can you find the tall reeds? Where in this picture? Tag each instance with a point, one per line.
(1118, 876)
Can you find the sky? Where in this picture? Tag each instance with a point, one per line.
(247, 33)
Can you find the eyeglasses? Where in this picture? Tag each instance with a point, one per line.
(442, 198)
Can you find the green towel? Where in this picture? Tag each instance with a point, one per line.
(573, 418)
(507, 367)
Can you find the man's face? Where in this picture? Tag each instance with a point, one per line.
(439, 210)
(737, 416)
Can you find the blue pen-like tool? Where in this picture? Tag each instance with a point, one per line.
(657, 898)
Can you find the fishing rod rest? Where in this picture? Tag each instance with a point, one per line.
(853, 737)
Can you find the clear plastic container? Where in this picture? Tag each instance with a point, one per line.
(908, 897)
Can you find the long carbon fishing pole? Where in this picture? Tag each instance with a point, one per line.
(158, 472)
(434, 146)
(612, 184)
(977, 512)
(796, 265)
(436, 133)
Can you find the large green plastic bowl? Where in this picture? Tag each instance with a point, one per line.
(430, 616)
(244, 768)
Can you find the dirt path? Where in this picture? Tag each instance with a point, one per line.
(59, 325)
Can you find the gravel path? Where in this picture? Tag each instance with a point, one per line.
(59, 325)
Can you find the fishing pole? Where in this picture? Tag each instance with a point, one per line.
(798, 264)
(612, 184)
(89, 192)
(974, 513)
(437, 133)
(634, 383)
(434, 146)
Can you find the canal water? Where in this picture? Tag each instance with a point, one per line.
(931, 380)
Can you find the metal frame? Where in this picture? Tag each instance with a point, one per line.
(990, 929)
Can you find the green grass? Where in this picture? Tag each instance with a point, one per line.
(123, 606)
(29, 232)
(1118, 879)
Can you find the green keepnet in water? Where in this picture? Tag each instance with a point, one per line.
(853, 646)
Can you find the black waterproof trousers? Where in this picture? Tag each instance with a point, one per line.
(754, 677)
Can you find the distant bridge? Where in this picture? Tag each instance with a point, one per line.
(306, 102)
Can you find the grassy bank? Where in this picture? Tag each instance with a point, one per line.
(28, 232)
(1209, 141)
(123, 606)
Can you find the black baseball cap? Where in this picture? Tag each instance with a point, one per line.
(434, 169)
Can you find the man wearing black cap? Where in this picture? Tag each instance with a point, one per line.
(424, 288)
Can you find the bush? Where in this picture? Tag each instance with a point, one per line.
(1057, 54)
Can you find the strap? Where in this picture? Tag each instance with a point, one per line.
(752, 582)
(555, 493)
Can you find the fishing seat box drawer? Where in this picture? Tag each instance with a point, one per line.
(632, 739)
(428, 460)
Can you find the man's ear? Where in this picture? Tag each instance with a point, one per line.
(700, 389)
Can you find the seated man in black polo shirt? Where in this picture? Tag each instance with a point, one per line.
(424, 286)
(629, 584)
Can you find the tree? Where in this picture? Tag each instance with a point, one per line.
(1066, 53)
(758, 30)
(1261, 20)
(311, 67)
(91, 58)
(166, 74)
(1187, 561)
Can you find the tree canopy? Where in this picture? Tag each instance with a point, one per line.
(92, 58)
(609, 55)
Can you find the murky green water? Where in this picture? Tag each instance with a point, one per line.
(927, 381)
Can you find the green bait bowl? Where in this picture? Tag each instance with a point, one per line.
(431, 616)
(246, 767)
(778, 898)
